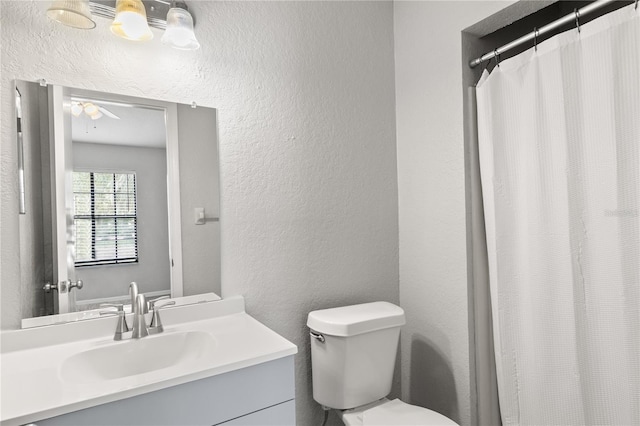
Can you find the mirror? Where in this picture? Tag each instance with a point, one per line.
(116, 189)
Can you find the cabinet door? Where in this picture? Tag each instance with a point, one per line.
(279, 415)
(205, 402)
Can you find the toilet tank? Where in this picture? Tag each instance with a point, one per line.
(353, 353)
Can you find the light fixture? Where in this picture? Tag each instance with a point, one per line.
(132, 18)
(131, 21)
(179, 32)
(73, 13)
(91, 110)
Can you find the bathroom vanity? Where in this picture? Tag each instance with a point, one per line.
(213, 364)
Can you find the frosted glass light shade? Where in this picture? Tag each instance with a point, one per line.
(131, 21)
(91, 109)
(76, 109)
(73, 13)
(179, 32)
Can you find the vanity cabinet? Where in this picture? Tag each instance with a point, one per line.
(261, 394)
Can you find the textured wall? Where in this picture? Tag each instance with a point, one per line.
(305, 95)
(431, 193)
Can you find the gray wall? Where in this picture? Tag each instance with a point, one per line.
(152, 272)
(199, 187)
(306, 115)
(436, 361)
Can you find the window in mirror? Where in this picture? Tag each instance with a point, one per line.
(105, 218)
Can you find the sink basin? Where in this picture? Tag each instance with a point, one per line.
(137, 356)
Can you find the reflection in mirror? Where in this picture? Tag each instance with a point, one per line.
(118, 189)
(120, 199)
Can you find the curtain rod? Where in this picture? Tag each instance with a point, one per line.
(572, 17)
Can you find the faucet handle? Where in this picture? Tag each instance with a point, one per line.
(155, 308)
(152, 303)
(156, 325)
(122, 326)
(119, 307)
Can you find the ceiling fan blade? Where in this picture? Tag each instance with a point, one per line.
(108, 113)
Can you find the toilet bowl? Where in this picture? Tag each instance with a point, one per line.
(393, 413)
(353, 354)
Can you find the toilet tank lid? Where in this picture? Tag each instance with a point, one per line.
(356, 319)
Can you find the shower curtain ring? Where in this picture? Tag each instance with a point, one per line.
(577, 12)
(497, 56)
(486, 68)
(535, 38)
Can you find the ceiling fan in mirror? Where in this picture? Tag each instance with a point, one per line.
(91, 110)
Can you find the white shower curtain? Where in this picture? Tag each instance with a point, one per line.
(559, 137)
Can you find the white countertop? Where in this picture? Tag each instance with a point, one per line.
(32, 388)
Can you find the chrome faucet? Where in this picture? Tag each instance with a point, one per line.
(139, 324)
(139, 307)
(133, 293)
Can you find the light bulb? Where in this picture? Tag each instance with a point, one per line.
(76, 109)
(131, 21)
(90, 109)
(179, 32)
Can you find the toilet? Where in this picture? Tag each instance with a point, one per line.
(353, 354)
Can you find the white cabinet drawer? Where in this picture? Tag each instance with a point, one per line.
(209, 401)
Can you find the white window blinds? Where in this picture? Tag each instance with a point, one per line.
(105, 218)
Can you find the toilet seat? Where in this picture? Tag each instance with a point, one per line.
(395, 413)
